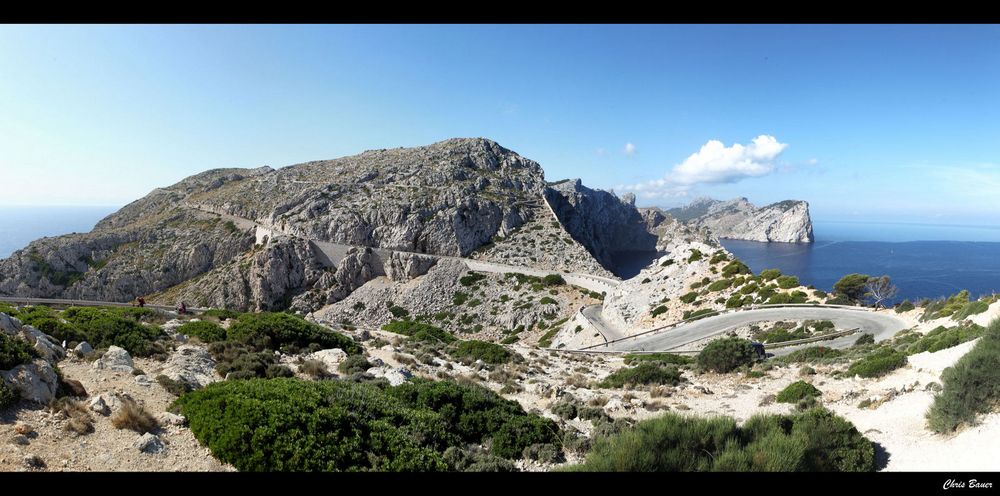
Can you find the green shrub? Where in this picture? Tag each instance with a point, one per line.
(240, 361)
(473, 350)
(419, 331)
(796, 391)
(176, 388)
(877, 364)
(689, 297)
(941, 338)
(811, 354)
(905, 306)
(398, 311)
(770, 274)
(688, 314)
(667, 262)
(553, 280)
(459, 298)
(720, 285)
(852, 287)
(970, 387)
(971, 308)
(462, 460)
(695, 255)
(658, 310)
(14, 352)
(865, 338)
(735, 267)
(471, 279)
(546, 340)
(787, 282)
(816, 440)
(726, 354)
(354, 364)
(272, 331)
(839, 300)
(8, 396)
(56, 328)
(820, 294)
(781, 335)
(665, 358)
(104, 327)
(208, 332)
(545, 300)
(647, 372)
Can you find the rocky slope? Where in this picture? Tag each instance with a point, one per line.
(787, 221)
(448, 198)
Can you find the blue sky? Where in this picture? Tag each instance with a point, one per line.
(896, 123)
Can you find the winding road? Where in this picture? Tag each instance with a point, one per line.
(882, 326)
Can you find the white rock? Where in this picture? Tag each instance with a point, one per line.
(36, 381)
(143, 380)
(331, 358)
(168, 418)
(84, 348)
(394, 376)
(191, 365)
(99, 406)
(116, 359)
(149, 443)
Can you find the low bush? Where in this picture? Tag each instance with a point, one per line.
(419, 331)
(720, 285)
(689, 297)
(695, 255)
(221, 314)
(172, 386)
(208, 332)
(787, 282)
(971, 308)
(14, 352)
(658, 311)
(816, 440)
(770, 274)
(735, 267)
(131, 415)
(240, 361)
(878, 363)
(354, 364)
(295, 425)
(865, 338)
(8, 396)
(473, 350)
(471, 278)
(905, 306)
(970, 387)
(811, 354)
(665, 358)
(644, 373)
(726, 354)
(274, 331)
(463, 460)
(104, 327)
(688, 314)
(545, 300)
(553, 280)
(941, 338)
(796, 391)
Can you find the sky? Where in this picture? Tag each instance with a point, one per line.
(865, 122)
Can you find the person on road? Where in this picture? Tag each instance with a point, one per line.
(181, 309)
(142, 302)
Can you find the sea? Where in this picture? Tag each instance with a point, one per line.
(923, 260)
(22, 225)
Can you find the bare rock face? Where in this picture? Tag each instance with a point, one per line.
(37, 380)
(787, 221)
(602, 222)
(115, 359)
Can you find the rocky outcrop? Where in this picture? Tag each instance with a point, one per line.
(448, 198)
(37, 380)
(191, 365)
(600, 221)
(115, 359)
(786, 221)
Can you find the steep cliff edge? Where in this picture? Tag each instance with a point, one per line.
(786, 221)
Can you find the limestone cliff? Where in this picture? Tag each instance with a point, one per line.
(786, 221)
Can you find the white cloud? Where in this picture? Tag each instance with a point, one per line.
(629, 149)
(714, 163)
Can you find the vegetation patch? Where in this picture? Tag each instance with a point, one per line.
(726, 354)
(275, 330)
(796, 391)
(878, 363)
(471, 278)
(941, 338)
(103, 327)
(14, 352)
(811, 354)
(664, 358)
(473, 350)
(296, 425)
(815, 440)
(970, 387)
(208, 332)
(647, 372)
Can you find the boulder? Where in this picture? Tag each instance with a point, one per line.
(331, 358)
(116, 359)
(83, 348)
(393, 375)
(99, 406)
(191, 365)
(143, 380)
(149, 443)
(167, 418)
(36, 381)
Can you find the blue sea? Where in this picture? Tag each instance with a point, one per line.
(923, 260)
(22, 225)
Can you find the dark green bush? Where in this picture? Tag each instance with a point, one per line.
(689, 297)
(649, 372)
(221, 314)
(272, 331)
(941, 338)
(553, 280)
(695, 255)
(787, 282)
(726, 354)
(811, 354)
(816, 440)
(865, 338)
(354, 364)
(545, 300)
(462, 460)
(104, 327)
(878, 363)
(8, 396)
(688, 314)
(796, 391)
(970, 387)
(419, 331)
(770, 274)
(665, 358)
(852, 287)
(241, 360)
(658, 310)
(208, 332)
(471, 278)
(735, 267)
(971, 308)
(473, 350)
(720, 285)
(14, 352)
(905, 306)
(176, 388)
(839, 300)
(398, 311)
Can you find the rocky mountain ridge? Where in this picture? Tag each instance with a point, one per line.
(785, 221)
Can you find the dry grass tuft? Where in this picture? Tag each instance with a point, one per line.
(134, 416)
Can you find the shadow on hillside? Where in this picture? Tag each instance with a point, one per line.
(881, 457)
